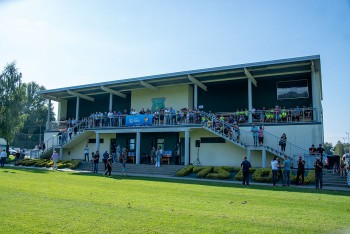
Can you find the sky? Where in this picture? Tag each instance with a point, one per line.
(61, 43)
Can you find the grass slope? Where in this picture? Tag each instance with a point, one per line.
(40, 201)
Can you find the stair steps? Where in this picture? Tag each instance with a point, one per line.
(334, 179)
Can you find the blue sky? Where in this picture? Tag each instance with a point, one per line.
(59, 43)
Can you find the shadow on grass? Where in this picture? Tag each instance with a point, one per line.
(227, 184)
(32, 170)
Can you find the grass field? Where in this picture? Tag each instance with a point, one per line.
(41, 201)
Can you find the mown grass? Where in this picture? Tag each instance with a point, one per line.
(40, 201)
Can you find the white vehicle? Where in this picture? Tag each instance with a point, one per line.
(12, 152)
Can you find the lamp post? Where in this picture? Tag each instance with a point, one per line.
(344, 138)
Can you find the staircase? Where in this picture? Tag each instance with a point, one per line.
(164, 170)
(334, 179)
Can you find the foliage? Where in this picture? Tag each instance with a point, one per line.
(197, 169)
(219, 173)
(339, 149)
(35, 108)
(71, 164)
(12, 99)
(203, 173)
(185, 171)
(228, 168)
(239, 175)
(310, 178)
(328, 148)
(263, 175)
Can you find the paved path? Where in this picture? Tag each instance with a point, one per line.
(183, 178)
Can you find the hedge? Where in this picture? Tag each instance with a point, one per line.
(185, 171)
(71, 164)
(197, 169)
(263, 175)
(203, 173)
(219, 173)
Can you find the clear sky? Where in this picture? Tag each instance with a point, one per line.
(60, 43)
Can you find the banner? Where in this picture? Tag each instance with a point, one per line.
(139, 120)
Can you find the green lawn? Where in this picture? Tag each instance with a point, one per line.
(41, 201)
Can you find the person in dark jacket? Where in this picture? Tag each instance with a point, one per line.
(318, 173)
(245, 165)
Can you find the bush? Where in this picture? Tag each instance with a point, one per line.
(263, 175)
(239, 175)
(228, 168)
(219, 173)
(203, 173)
(236, 169)
(197, 169)
(72, 164)
(310, 178)
(185, 171)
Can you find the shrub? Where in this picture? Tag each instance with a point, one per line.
(197, 169)
(203, 173)
(310, 178)
(263, 175)
(239, 175)
(228, 168)
(185, 171)
(236, 169)
(219, 173)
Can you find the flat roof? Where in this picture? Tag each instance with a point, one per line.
(258, 70)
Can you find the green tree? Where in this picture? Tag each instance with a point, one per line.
(12, 99)
(328, 148)
(339, 148)
(35, 108)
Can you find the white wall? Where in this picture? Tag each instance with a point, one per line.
(177, 97)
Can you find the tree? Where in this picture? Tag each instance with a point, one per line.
(339, 148)
(12, 99)
(328, 148)
(35, 108)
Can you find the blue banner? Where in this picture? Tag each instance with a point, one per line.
(137, 120)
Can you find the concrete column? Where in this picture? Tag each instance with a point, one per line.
(263, 158)
(97, 142)
(138, 142)
(110, 101)
(249, 155)
(187, 147)
(195, 96)
(316, 95)
(250, 102)
(49, 111)
(77, 109)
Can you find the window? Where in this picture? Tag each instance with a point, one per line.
(160, 142)
(131, 144)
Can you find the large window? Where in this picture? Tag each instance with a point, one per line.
(292, 89)
(131, 144)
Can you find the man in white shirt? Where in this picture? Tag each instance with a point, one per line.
(54, 158)
(274, 167)
(3, 157)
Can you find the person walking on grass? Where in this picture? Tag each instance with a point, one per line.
(105, 156)
(96, 161)
(109, 166)
(245, 165)
(124, 159)
(54, 158)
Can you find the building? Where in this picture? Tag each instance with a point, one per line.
(282, 95)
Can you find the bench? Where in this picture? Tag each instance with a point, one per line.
(131, 156)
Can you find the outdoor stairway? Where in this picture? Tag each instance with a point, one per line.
(166, 170)
(334, 179)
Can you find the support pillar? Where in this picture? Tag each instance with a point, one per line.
(110, 101)
(97, 142)
(263, 158)
(195, 96)
(49, 112)
(250, 105)
(77, 109)
(187, 147)
(138, 142)
(249, 155)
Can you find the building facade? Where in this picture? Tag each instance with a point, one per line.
(195, 114)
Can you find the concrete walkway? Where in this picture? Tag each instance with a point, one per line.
(183, 178)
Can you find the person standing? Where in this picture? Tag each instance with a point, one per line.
(18, 156)
(109, 166)
(261, 135)
(286, 171)
(301, 171)
(153, 155)
(3, 157)
(119, 154)
(320, 151)
(318, 173)
(177, 151)
(124, 158)
(105, 156)
(96, 161)
(159, 154)
(54, 158)
(274, 167)
(283, 142)
(255, 130)
(114, 153)
(245, 165)
(86, 153)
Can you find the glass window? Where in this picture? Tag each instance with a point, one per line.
(160, 142)
(131, 144)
